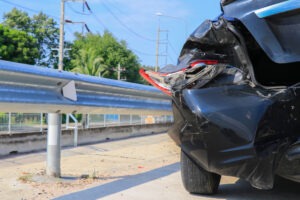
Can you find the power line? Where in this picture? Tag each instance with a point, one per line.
(34, 11)
(142, 53)
(173, 49)
(172, 59)
(75, 11)
(94, 15)
(29, 9)
(99, 21)
(125, 26)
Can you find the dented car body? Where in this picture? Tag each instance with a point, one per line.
(236, 95)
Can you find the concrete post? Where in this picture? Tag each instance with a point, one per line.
(53, 145)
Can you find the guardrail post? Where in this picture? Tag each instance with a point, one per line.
(67, 121)
(130, 121)
(41, 125)
(53, 144)
(104, 120)
(75, 128)
(76, 134)
(88, 121)
(9, 122)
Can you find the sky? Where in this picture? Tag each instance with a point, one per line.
(135, 21)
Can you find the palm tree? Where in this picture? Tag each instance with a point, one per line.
(87, 61)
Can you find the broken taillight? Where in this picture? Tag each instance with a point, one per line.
(154, 80)
(157, 79)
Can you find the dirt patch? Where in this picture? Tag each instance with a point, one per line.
(24, 177)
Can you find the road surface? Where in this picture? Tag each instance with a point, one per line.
(133, 169)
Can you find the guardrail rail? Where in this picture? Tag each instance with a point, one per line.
(27, 88)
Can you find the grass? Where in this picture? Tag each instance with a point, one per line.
(26, 177)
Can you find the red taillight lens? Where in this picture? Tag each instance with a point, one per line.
(156, 84)
(207, 62)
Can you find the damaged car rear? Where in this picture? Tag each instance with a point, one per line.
(236, 96)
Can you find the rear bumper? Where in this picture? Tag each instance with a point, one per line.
(237, 131)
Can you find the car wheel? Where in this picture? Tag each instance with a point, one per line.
(196, 179)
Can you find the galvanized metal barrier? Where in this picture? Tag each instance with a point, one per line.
(26, 88)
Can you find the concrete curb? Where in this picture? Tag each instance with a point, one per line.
(35, 141)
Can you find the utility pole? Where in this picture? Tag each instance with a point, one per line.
(167, 44)
(158, 43)
(119, 70)
(157, 47)
(157, 55)
(54, 119)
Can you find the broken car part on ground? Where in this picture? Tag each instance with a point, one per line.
(236, 96)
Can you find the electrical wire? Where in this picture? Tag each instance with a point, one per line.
(99, 21)
(173, 49)
(125, 26)
(95, 16)
(142, 53)
(26, 8)
(35, 11)
(172, 59)
(75, 11)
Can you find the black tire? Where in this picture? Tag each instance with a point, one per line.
(196, 179)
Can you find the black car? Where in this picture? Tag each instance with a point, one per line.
(236, 96)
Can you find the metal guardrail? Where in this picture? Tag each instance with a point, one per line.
(27, 88)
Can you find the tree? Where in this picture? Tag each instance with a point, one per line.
(41, 27)
(46, 31)
(17, 46)
(88, 62)
(112, 53)
(17, 19)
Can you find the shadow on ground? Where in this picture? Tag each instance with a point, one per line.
(122, 184)
(242, 190)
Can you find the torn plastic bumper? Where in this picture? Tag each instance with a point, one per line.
(239, 131)
(224, 120)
